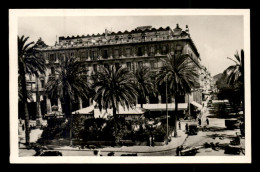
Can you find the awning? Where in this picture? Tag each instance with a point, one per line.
(162, 107)
(104, 113)
(199, 106)
(87, 110)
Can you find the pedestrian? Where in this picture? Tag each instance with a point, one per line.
(95, 152)
(99, 153)
(186, 127)
(153, 140)
(150, 141)
(179, 125)
(178, 151)
(237, 139)
(23, 127)
(199, 120)
(207, 121)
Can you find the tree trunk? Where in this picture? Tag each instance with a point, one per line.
(115, 123)
(175, 115)
(38, 105)
(70, 120)
(26, 114)
(68, 114)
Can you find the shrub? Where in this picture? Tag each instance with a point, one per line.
(57, 128)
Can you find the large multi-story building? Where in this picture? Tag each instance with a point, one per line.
(144, 45)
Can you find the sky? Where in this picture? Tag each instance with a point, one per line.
(216, 37)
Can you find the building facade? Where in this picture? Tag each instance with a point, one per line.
(143, 46)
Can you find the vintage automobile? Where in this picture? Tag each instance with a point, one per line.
(231, 123)
(192, 130)
(189, 152)
(234, 147)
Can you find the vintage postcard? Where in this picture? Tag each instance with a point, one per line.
(130, 86)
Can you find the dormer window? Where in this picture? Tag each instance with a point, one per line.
(157, 34)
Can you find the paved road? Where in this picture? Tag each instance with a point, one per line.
(217, 133)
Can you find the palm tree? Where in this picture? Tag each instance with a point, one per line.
(114, 87)
(235, 73)
(180, 73)
(30, 62)
(144, 83)
(69, 83)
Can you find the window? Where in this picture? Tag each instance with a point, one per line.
(95, 67)
(52, 57)
(127, 52)
(116, 53)
(143, 38)
(83, 55)
(152, 51)
(128, 64)
(42, 83)
(139, 52)
(62, 56)
(140, 64)
(165, 49)
(52, 70)
(178, 47)
(93, 55)
(105, 55)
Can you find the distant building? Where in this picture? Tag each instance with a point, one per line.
(143, 46)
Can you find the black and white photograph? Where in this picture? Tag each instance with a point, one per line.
(130, 86)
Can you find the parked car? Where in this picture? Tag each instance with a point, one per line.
(193, 129)
(231, 123)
